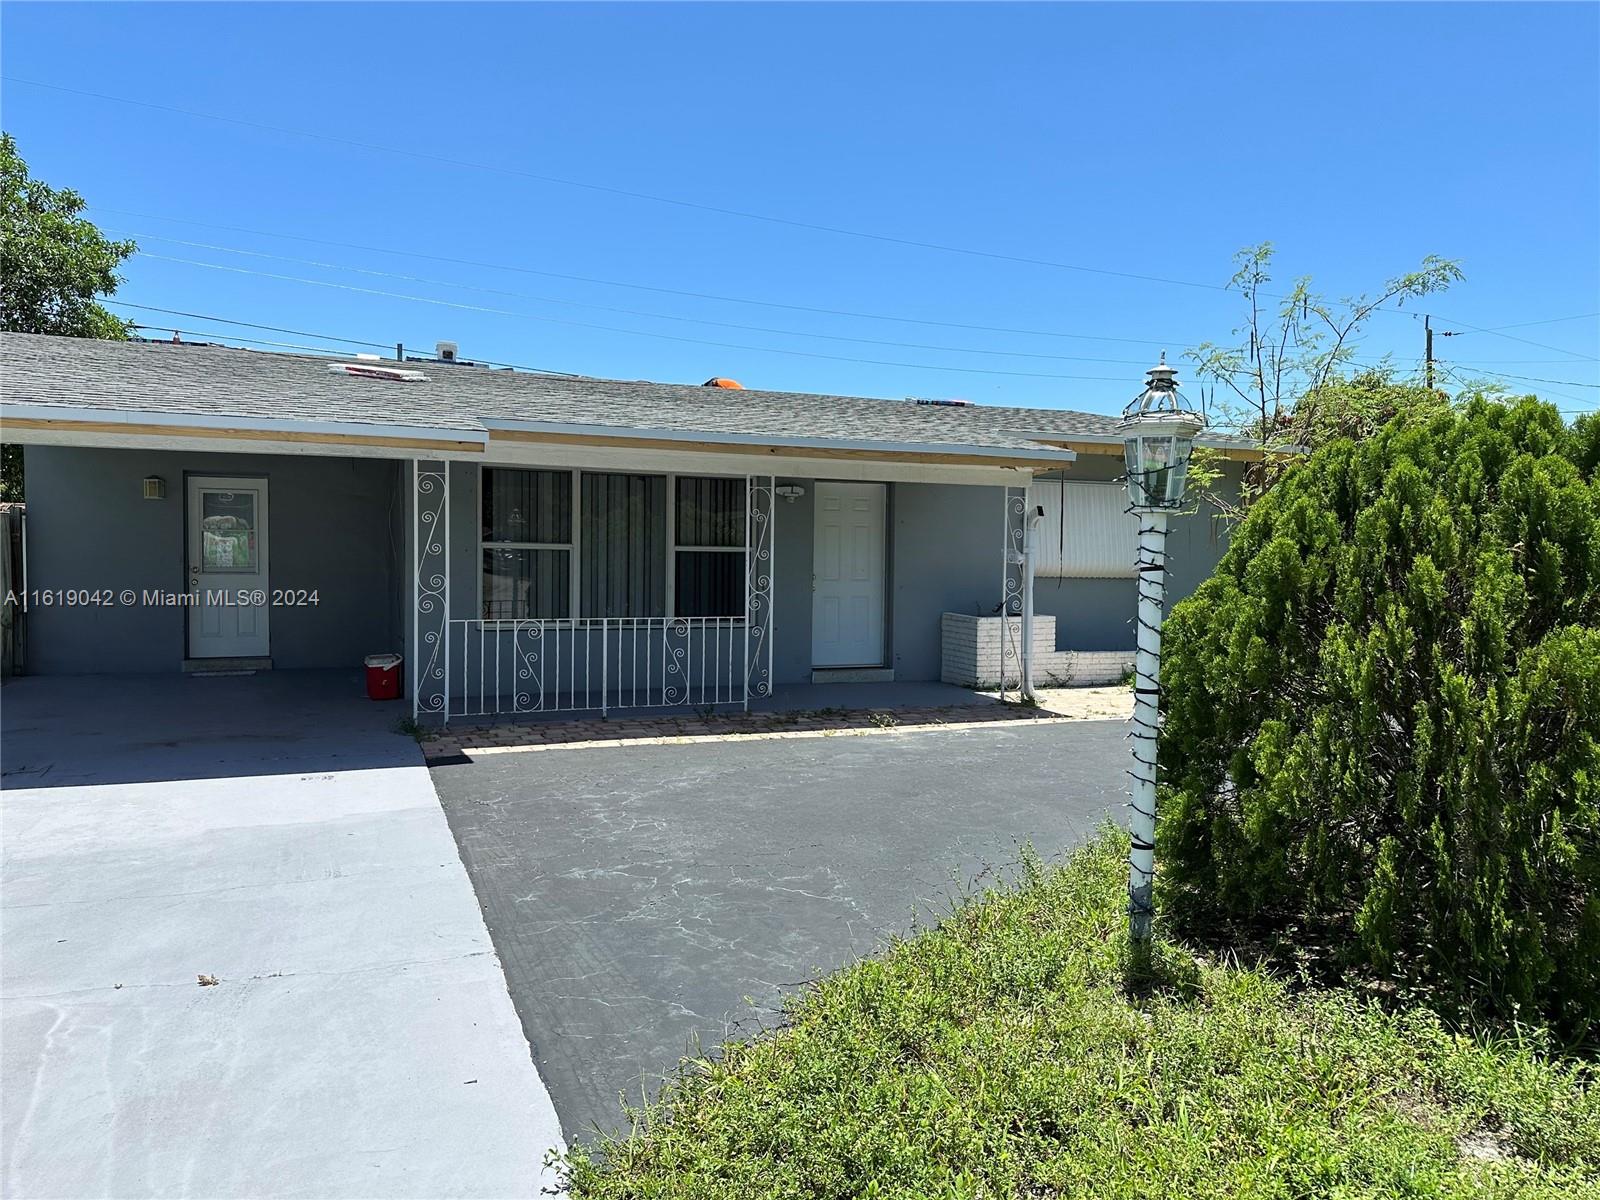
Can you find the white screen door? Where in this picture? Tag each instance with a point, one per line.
(847, 576)
(227, 567)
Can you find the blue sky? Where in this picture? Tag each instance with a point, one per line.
(1148, 139)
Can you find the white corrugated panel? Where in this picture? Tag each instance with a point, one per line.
(1087, 531)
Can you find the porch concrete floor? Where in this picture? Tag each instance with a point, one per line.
(273, 833)
(638, 895)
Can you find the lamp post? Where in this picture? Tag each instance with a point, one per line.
(1158, 430)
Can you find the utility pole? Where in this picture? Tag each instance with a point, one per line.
(1427, 330)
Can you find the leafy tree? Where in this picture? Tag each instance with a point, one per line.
(1284, 384)
(53, 265)
(1383, 712)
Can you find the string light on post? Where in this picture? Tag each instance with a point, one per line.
(1158, 430)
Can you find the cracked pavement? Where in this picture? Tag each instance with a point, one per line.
(650, 902)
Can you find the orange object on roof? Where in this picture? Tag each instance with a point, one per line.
(724, 383)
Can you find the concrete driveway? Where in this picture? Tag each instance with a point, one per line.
(274, 834)
(639, 895)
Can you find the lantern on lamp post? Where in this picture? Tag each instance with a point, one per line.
(1158, 430)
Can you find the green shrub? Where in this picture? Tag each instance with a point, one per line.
(1383, 713)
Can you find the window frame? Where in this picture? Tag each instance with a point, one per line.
(484, 545)
(574, 547)
(743, 551)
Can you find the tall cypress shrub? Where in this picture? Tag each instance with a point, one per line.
(1383, 712)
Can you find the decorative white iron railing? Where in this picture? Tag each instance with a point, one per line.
(477, 668)
(501, 668)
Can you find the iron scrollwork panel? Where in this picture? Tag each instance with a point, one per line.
(760, 494)
(431, 585)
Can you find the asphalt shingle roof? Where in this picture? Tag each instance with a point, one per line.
(160, 378)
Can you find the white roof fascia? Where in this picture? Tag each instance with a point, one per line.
(1116, 439)
(123, 416)
(1043, 452)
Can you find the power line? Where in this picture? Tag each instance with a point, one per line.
(634, 312)
(1516, 362)
(332, 266)
(1466, 382)
(1536, 379)
(233, 337)
(617, 191)
(488, 362)
(467, 262)
(689, 204)
(348, 287)
(719, 298)
(1448, 368)
(1511, 337)
(695, 205)
(194, 316)
(1526, 324)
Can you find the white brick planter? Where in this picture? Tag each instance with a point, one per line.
(971, 653)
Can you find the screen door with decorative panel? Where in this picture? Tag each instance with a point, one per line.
(227, 575)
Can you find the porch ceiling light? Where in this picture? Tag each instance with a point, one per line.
(1158, 431)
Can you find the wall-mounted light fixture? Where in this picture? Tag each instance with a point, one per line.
(791, 491)
(155, 487)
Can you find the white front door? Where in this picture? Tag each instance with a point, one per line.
(847, 576)
(227, 567)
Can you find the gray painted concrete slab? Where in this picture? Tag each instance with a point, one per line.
(638, 895)
(275, 833)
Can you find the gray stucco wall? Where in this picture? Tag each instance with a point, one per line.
(344, 526)
(944, 549)
(945, 555)
(334, 525)
(1091, 614)
(794, 539)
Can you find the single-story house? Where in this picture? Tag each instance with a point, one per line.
(538, 543)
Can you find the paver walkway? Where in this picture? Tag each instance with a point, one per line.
(457, 740)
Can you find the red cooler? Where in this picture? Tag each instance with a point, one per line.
(383, 676)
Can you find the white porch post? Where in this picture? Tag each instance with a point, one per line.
(760, 557)
(1013, 587)
(430, 589)
(1030, 559)
(1152, 567)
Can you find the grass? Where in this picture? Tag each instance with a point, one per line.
(1002, 1055)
